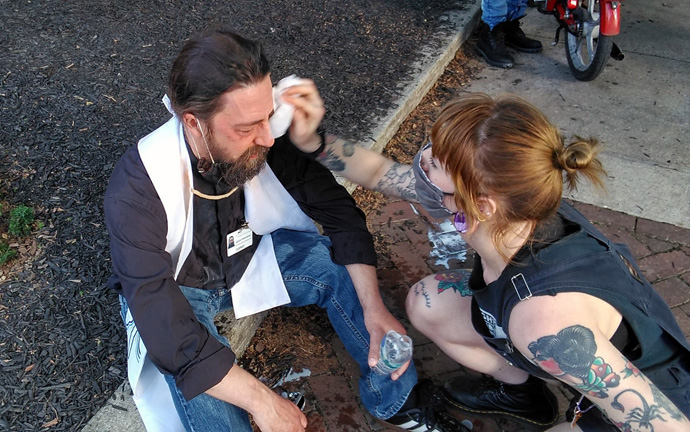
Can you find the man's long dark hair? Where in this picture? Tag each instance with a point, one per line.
(210, 65)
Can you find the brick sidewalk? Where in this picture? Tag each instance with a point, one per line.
(662, 251)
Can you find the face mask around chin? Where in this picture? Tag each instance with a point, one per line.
(429, 195)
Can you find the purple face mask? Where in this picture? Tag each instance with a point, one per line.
(429, 195)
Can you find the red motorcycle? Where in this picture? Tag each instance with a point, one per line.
(590, 26)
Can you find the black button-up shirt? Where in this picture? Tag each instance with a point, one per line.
(143, 273)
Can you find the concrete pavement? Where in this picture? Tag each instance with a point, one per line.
(638, 108)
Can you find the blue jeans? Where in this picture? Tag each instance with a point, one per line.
(311, 277)
(495, 12)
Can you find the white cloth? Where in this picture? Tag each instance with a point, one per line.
(282, 111)
(150, 391)
(268, 207)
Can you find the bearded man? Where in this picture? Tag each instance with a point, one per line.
(208, 213)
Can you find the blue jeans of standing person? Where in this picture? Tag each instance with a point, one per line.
(310, 277)
(495, 12)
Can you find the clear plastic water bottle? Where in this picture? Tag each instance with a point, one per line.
(396, 349)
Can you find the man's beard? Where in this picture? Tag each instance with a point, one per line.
(245, 167)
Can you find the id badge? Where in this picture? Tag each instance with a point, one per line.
(239, 240)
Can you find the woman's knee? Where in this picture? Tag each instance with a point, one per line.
(419, 303)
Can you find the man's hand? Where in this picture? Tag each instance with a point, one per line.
(377, 319)
(378, 323)
(309, 111)
(280, 415)
(271, 412)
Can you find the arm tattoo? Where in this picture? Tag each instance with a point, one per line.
(331, 161)
(329, 158)
(643, 414)
(630, 369)
(570, 355)
(663, 402)
(398, 181)
(348, 149)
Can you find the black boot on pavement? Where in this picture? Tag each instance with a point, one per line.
(531, 403)
(424, 412)
(492, 47)
(516, 38)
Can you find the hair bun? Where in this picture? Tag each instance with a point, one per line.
(580, 157)
(577, 155)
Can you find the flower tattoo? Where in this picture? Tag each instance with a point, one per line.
(456, 280)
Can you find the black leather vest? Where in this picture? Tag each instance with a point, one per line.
(583, 261)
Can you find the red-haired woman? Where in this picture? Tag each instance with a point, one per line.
(549, 296)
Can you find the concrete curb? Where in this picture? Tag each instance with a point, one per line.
(458, 27)
(120, 413)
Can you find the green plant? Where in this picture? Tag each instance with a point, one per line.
(6, 253)
(21, 218)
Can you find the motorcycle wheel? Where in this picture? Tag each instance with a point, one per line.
(587, 54)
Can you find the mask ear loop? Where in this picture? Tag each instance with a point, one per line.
(196, 149)
(205, 142)
(191, 138)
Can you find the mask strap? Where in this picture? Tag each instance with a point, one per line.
(205, 142)
(196, 149)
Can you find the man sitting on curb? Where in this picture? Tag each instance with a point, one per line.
(213, 173)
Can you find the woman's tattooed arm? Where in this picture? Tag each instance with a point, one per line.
(368, 168)
(593, 366)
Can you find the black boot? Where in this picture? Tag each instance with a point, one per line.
(531, 403)
(492, 47)
(515, 38)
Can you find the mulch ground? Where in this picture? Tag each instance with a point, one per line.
(80, 81)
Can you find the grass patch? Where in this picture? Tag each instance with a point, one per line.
(16, 223)
(6, 253)
(21, 219)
